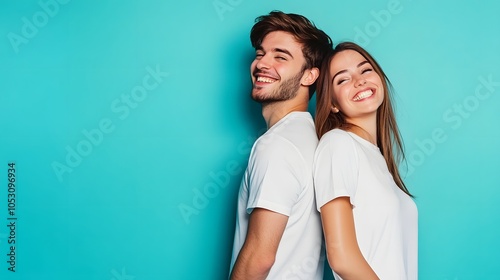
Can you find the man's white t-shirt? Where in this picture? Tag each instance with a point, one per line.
(279, 178)
(385, 218)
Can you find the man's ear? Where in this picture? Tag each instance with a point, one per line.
(310, 76)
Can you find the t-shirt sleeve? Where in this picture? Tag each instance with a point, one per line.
(335, 168)
(277, 176)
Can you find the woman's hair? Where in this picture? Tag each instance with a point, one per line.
(315, 43)
(389, 138)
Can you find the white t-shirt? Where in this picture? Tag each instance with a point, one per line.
(279, 178)
(385, 218)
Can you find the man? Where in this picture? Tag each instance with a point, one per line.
(278, 230)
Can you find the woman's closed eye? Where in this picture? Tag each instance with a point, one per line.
(342, 80)
(366, 70)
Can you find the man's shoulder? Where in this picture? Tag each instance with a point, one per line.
(297, 127)
(295, 120)
(272, 145)
(291, 136)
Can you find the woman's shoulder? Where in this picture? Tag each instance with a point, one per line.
(336, 135)
(336, 141)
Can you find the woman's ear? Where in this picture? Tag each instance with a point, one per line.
(310, 76)
(334, 109)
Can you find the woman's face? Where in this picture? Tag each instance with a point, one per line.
(357, 89)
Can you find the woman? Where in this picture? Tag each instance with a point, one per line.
(368, 215)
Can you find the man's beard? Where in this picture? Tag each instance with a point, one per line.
(286, 91)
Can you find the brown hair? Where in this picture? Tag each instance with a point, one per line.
(388, 136)
(315, 43)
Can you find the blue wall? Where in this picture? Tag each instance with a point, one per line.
(130, 125)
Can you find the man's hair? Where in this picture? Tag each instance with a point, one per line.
(315, 43)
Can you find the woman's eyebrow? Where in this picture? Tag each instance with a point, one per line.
(362, 63)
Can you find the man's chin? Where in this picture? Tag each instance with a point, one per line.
(265, 100)
(259, 97)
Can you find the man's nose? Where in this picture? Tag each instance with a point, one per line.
(264, 62)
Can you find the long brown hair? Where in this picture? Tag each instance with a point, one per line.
(389, 138)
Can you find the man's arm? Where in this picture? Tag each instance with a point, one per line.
(265, 229)
(342, 247)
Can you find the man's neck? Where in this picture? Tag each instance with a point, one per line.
(274, 112)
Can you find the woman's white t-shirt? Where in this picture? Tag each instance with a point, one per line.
(385, 218)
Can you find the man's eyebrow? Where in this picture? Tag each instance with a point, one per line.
(260, 48)
(283, 51)
(343, 71)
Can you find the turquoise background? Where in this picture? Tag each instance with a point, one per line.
(182, 144)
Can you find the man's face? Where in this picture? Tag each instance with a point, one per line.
(278, 68)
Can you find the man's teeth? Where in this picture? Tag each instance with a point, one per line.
(363, 94)
(265, 79)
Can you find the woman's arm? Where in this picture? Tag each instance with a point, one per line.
(344, 255)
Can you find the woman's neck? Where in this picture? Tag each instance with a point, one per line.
(365, 128)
